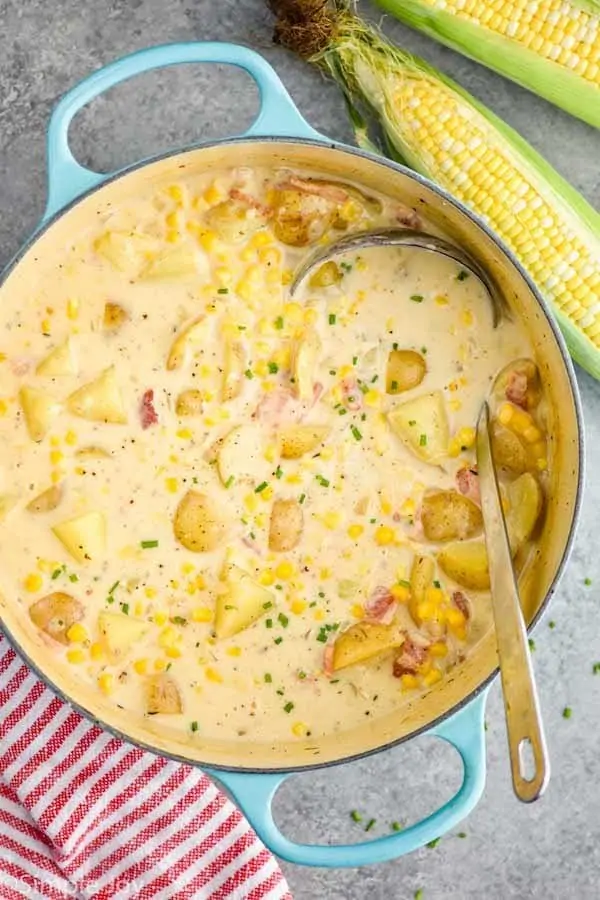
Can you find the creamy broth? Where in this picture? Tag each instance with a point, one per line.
(210, 392)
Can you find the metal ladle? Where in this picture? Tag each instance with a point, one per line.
(527, 746)
(404, 237)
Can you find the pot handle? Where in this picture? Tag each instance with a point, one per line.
(278, 115)
(254, 794)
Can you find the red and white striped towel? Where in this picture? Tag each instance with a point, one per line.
(85, 815)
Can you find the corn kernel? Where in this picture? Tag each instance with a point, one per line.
(542, 464)
(466, 437)
(355, 531)
(56, 456)
(234, 651)
(187, 568)
(384, 535)
(54, 441)
(299, 729)
(173, 652)
(160, 618)
(441, 300)
(96, 651)
(532, 434)
(200, 582)
(505, 413)
(298, 606)
(432, 677)
(372, 398)
(408, 508)
(319, 615)
(160, 664)
(212, 675)
(72, 309)
(285, 570)
(184, 433)
(76, 655)
(267, 577)
(400, 592)
(260, 239)
(3, 407)
(33, 582)
(427, 610)
(467, 317)
(150, 592)
(439, 649)
(56, 475)
(140, 666)
(212, 194)
(202, 614)
(77, 633)
(138, 608)
(434, 595)
(105, 682)
(311, 316)
(325, 573)
(357, 610)
(45, 326)
(408, 681)
(331, 520)
(455, 617)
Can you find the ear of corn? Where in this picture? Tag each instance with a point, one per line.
(551, 47)
(439, 130)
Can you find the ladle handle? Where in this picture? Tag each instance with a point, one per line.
(528, 755)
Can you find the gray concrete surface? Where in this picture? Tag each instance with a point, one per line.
(550, 850)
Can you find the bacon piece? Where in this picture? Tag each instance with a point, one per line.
(408, 217)
(461, 603)
(20, 365)
(352, 394)
(328, 660)
(381, 606)
(148, 414)
(410, 657)
(249, 200)
(276, 407)
(467, 481)
(328, 191)
(516, 389)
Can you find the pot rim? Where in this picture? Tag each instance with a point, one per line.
(329, 145)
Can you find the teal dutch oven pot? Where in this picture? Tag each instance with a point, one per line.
(453, 710)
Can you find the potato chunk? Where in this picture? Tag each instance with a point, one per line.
(233, 220)
(526, 501)
(234, 365)
(189, 403)
(421, 578)
(84, 536)
(467, 564)
(60, 361)
(422, 424)
(182, 346)
(287, 523)
(241, 603)
(406, 369)
(177, 262)
(365, 641)
(126, 251)
(115, 316)
(100, 400)
(47, 500)
(297, 440)
(55, 613)
(305, 356)
(241, 456)
(509, 451)
(120, 634)
(301, 218)
(40, 410)
(449, 516)
(198, 523)
(162, 695)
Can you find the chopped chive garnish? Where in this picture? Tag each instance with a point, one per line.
(278, 472)
(356, 433)
(394, 387)
(178, 620)
(596, 668)
(193, 726)
(396, 826)
(531, 644)
(73, 577)
(278, 640)
(418, 894)
(567, 712)
(322, 594)
(279, 322)
(148, 545)
(412, 422)
(324, 482)
(322, 635)
(354, 360)
(283, 619)
(437, 584)
(269, 623)
(462, 834)
(273, 368)
(125, 608)
(281, 692)
(395, 345)
(268, 678)
(347, 267)
(587, 581)
(56, 574)
(332, 318)
(551, 624)
(268, 604)
(110, 599)
(249, 373)
(370, 824)
(229, 481)
(301, 675)
(355, 816)
(422, 440)
(462, 275)
(301, 498)
(261, 487)
(417, 298)
(222, 290)
(364, 388)
(374, 379)
(433, 843)
(288, 706)
(342, 411)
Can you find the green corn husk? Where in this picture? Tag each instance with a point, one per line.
(562, 256)
(502, 47)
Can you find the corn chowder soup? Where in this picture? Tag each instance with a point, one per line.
(250, 517)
